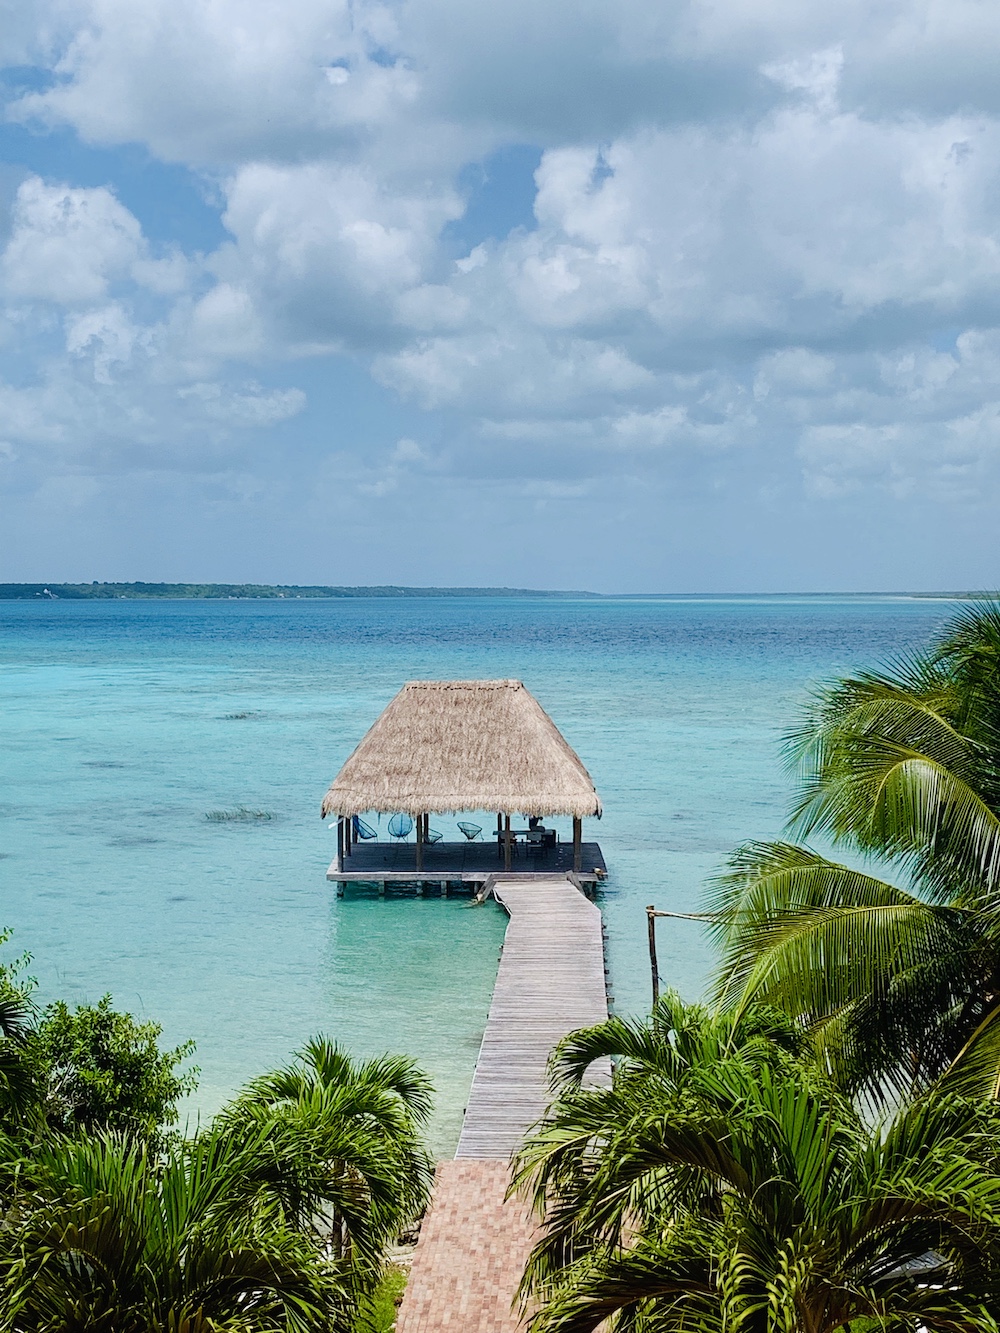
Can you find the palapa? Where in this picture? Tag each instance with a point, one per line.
(442, 746)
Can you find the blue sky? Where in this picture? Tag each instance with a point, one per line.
(691, 296)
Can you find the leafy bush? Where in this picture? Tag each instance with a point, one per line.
(97, 1069)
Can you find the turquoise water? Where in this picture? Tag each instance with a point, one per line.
(125, 723)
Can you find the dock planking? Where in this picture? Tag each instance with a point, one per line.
(550, 981)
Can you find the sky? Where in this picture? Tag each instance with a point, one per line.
(643, 296)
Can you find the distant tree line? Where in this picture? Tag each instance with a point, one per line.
(238, 591)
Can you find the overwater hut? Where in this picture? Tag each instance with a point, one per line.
(443, 747)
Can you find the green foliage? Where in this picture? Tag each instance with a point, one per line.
(98, 1069)
(897, 979)
(345, 1158)
(18, 1083)
(721, 1184)
(278, 1217)
(106, 1239)
(377, 1313)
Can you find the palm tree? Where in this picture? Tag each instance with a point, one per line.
(896, 975)
(732, 1189)
(106, 1239)
(678, 1053)
(344, 1154)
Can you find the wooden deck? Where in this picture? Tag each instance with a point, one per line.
(474, 1241)
(468, 863)
(550, 981)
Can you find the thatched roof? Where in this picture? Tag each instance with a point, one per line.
(442, 746)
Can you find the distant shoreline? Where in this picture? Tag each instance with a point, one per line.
(105, 592)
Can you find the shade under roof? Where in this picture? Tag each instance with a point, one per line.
(442, 746)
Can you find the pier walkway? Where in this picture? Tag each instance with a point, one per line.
(550, 981)
(473, 1243)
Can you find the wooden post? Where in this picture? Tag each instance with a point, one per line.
(506, 842)
(347, 836)
(340, 842)
(577, 837)
(651, 920)
(420, 842)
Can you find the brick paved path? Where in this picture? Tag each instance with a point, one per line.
(471, 1254)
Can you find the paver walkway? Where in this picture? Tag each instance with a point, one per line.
(470, 1256)
(473, 1245)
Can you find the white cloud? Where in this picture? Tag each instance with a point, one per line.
(752, 223)
(250, 406)
(67, 245)
(108, 335)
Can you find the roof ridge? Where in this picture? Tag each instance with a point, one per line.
(507, 684)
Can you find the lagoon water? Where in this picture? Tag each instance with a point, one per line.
(124, 724)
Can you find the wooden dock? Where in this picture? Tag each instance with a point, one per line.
(475, 1241)
(550, 981)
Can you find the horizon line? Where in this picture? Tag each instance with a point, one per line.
(147, 590)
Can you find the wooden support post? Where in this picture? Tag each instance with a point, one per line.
(347, 836)
(420, 843)
(651, 920)
(340, 842)
(506, 842)
(381, 888)
(577, 837)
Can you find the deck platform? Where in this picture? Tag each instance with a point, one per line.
(550, 981)
(474, 1241)
(469, 863)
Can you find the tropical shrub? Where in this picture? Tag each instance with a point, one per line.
(342, 1154)
(97, 1069)
(107, 1239)
(896, 975)
(728, 1186)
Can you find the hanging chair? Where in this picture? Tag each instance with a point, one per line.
(400, 826)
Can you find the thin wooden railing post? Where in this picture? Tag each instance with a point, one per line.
(420, 842)
(651, 922)
(506, 842)
(577, 842)
(347, 836)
